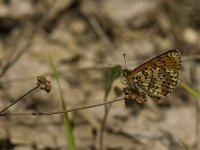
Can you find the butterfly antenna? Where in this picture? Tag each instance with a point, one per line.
(124, 81)
(124, 55)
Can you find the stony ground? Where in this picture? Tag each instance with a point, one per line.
(84, 38)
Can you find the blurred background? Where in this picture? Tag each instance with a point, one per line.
(84, 38)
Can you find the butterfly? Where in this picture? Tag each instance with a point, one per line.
(156, 78)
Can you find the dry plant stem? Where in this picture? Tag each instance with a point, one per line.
(63, 71)
(100, 67)
(11, 61)
(96, 26)
(27, 45)
(60, 112)
(18, 100)
(107, 108)
(192, 57)
(106, 111)
(102, 128)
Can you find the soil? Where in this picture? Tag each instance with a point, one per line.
(84, 39)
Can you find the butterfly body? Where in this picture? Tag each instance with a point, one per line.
(157, 77)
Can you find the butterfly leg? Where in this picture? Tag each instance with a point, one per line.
(140, 96)
(133, 96)
(143, 97)
(129, 99)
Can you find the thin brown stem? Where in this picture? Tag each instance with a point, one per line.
(106, 111)
(90, 15)
(62, 71)
(18, 100)
(60, 112)
(81, 69)
(107, 108)
(14, 57)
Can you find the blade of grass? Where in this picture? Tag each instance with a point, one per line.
(190, 90)
(67, 125)
(184, 145)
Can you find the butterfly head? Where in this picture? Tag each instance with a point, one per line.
(124, 69)
(125, 72)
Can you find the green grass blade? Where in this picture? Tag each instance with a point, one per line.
(184, 145)
(67, 125)
(190, 90)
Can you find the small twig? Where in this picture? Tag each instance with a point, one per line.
(88, 68)
(60, 112)
(61, 71)
(184, 58)
(27, 45)
(42, 83)
(106, 111)
(107, 108)
(192, 57)
(97, 28)
(90, 15)
(18, 99)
